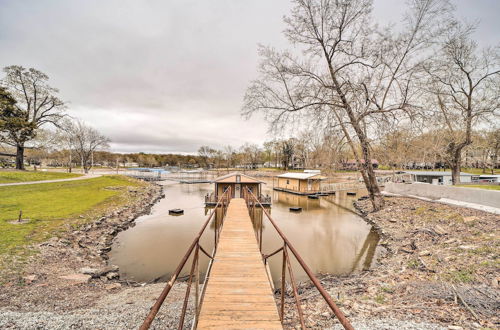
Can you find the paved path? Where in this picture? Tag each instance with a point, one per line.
(83, 177)
(238, 294)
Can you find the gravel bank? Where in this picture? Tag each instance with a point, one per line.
(123, 310)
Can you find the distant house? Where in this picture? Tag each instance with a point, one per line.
(439, 177)
(351, 164)
(299, 183)
(131, 164)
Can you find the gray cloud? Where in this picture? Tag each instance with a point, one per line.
(162, 76)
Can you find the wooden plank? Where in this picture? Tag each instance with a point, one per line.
(238, 293)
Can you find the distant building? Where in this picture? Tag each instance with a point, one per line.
(300, 183)
(438, 177)
(131, 164)
(237, 182)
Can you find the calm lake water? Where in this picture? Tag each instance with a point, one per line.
(329, 236)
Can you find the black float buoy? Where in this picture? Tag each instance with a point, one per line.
(295, 209)
(175, 212)
(350, 193)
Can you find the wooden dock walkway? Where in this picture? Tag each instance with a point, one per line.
(238, 294)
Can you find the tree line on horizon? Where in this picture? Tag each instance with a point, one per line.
(420, 92)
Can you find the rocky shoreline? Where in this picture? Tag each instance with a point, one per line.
(71, 270)
(438, 269)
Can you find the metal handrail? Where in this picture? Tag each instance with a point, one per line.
(195, 246)
(286, 264)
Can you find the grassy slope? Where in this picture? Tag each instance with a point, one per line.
(50, 207)
(24, 176)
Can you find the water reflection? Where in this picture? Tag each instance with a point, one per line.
(327, 234)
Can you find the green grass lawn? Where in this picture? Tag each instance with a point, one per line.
(51, 207)
(23, 176)
(490, 187)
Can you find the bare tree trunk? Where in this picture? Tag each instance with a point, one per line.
(455, 166)
(370, 178)
(20, 157)
(70, 161)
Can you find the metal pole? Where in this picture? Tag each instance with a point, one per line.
(295, 292)
(261, 229)
(197, 288)
(283, 278)
(188, 290)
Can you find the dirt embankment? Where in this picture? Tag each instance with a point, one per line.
(439, 265)
(71, 271)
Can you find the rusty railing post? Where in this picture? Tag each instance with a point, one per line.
(188, 290)
(283, 279)
(295, 291)
(197, 287)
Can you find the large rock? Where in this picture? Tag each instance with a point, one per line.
(96, 273)
(112, 286)
(88, 271)
(76, 278)
(30, 278)
(112, 275)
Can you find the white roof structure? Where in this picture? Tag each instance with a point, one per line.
(436, 173)
(313, 171)
(232, 178)
(302, 176)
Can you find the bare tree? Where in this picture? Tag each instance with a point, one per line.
(287, 152)
(350, 74)
(464, 84)
(206, 153)
(84, 141)
(252, 155)
(37, 105)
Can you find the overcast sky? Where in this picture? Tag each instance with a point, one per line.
(165, 76)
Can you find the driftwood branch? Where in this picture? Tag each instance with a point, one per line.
(464, 303)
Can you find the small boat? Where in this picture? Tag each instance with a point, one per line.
(295, 209)
(322, 194)
(176, 211)
(362, 198)
(351, 193)
(313, 197)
